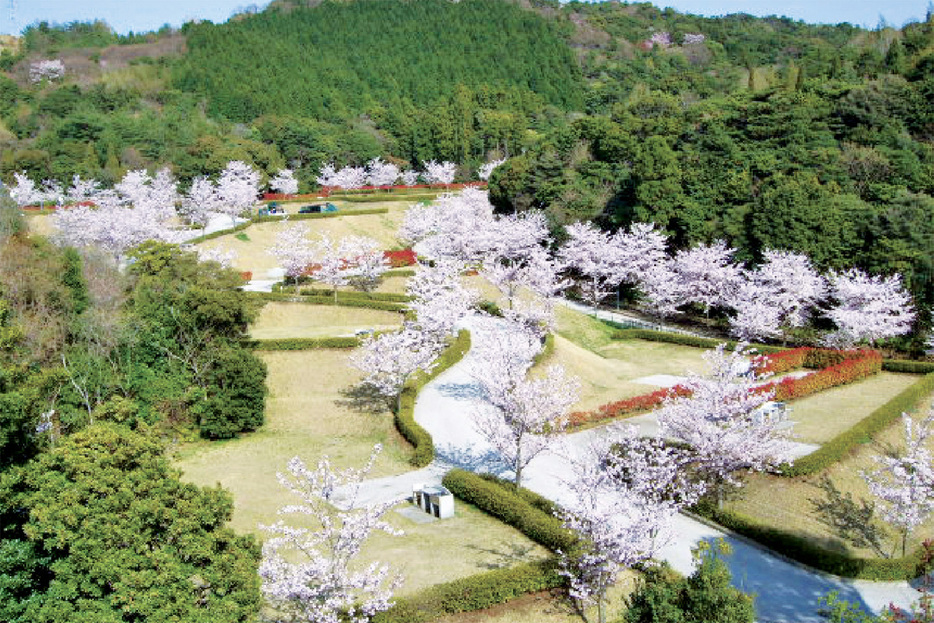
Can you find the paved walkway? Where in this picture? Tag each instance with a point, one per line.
(786, 592)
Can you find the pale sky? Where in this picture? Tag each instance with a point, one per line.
(147, 15)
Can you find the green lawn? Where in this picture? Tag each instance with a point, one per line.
(823, 416)
(786, 503)
(283, 320)
(303, 419)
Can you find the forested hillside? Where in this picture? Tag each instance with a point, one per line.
(766, 132)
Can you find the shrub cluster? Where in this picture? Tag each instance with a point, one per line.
(863, 432)
(852, 366)
(855, 365)
(684, 339)
(405, 408)
(302, 343)
(400, 258)
(806, 551)
(473, 593)
(627, 406)
(532, 516)
(785, 361)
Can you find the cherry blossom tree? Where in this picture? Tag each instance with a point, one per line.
(379, 173)
(529, 413)
(905, 484)
(310, 574)
(327, 175)
(663, 289)
(780, 293)
(409, 177)
(590, 253)
(389, 359)
(293, 250)
(82, 190)
(626, 492)
(721, 418)
(707, 274)
(486, 170)
(237, 189)
(350, 178)
(439, 172)
(24, 192)
(513, 237)
(357, 261)
(757, 315)
(637, 251)
(868, 308)
(199, 202)
(284, 182)
(452, 226)
(439, 297)
(47, 69)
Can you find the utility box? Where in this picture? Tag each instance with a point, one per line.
(436, 501)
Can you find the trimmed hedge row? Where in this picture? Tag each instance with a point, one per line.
(219, 233)
(272, 218)
(863, 431)
(329, 300)
(512, 507)
(854, 366)
(910, 367)
(366, 296)
(627, 406)
(473, 593)
(302, 343)
(805, 551)
(686, 340)
(404, 417)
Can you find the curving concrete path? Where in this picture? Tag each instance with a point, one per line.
(786, 592)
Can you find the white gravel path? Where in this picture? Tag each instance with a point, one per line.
(786, 592)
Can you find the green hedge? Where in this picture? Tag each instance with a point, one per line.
(367, 296)
(910, 367)
(219, 233)
(863, 431)
(302, 343)
(473, 593)
(329, 300)
(405, 408)
(685, 340)
(511, 506)
(806, 551)
(400, 272)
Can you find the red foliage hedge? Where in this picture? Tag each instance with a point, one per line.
(839, 368)
(398, 259)
(246, 275)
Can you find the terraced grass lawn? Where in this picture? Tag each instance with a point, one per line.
(549, 608)
(303, 419)
(786, 503)
(823, 416)
(607, 368)
(281, 320)
(252, 254)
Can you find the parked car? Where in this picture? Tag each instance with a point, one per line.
(317, 207)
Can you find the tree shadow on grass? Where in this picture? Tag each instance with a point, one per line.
(502, 555)
(363, 398)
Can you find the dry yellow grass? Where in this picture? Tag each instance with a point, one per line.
(281, 320)
(302, 419)
(439, 551)
(786, 503)
(823, 416)
(40, 224)
(252, 254)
